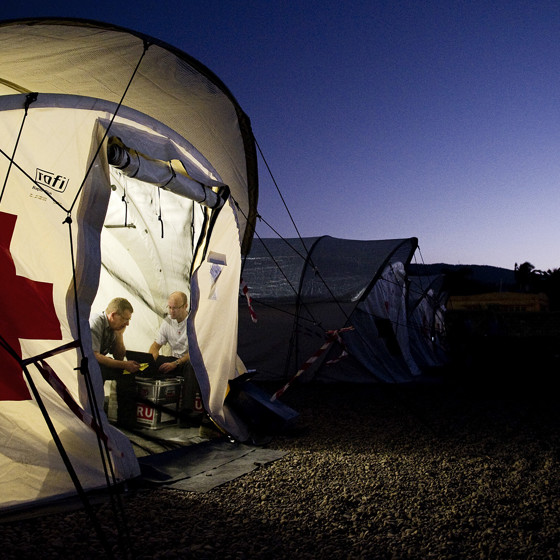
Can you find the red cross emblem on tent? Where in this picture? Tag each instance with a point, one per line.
(27, 312)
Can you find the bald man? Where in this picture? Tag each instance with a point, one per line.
(173, 331)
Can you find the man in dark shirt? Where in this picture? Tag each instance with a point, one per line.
(107, 330)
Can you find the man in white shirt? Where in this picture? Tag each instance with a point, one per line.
(173, 331)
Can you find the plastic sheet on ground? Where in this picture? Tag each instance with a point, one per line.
(201, 467)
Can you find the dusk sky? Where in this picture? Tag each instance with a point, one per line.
(439, 120)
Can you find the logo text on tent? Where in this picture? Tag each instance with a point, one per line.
(57, 183)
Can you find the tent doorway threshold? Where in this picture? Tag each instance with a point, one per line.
(146, 441)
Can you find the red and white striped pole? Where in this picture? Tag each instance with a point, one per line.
(331, 337)
(245, 290)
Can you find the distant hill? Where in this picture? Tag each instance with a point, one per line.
(467, 279)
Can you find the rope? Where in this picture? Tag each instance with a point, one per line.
(277, 188)
(30, 98)
(160, 220)
(121, 101)
(102, 443)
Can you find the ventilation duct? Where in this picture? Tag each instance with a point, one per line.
(162, 174)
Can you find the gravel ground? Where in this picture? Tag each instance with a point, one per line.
(453, 469)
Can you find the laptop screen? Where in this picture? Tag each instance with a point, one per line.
(143, 358)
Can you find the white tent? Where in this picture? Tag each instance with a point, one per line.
(427, 301)
(75, 232)
(380, 339)
(303, 288)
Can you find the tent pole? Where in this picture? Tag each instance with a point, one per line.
(68, 464)
(60, 447)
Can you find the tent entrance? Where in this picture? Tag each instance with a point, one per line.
(152, 225)
(170, 226)
(149, 234)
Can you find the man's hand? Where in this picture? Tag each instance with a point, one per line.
(167, 367)
(132, 366)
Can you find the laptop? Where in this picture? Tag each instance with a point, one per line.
(148, 364)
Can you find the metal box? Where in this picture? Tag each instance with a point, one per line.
(158, 402)
(157, 415)
(166, 390)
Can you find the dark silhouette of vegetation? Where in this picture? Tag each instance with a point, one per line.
(463, 281)
(531, 280)
(552, 288)
(523, 274)
(459, 281)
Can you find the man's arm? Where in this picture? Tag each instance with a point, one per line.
(119, 349)
(167, 367)
(129, 365)
(109, 362)
(184, 359)
(154, 349)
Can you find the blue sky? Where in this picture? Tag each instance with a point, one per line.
(439, 120)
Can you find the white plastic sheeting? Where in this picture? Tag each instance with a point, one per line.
(426, 308)
(380, 341)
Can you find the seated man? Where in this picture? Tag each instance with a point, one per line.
(107, 330)
(173, 331)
